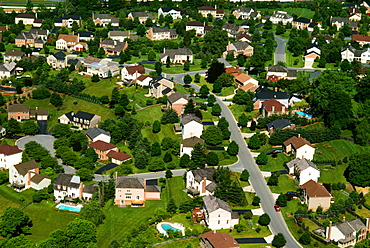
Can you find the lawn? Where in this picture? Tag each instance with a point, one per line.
(292, 61)
(181, 218)
(225, 91)
(178, 69)
(285, 184)
(166, 131)
(364, 212)
(249, 230)
(333, 174)
(275, 164)
(335, 150)
(149, 114)
(174, 188)
(182, 243)
(101, 88)
(10, 198)
(238, 110)
(254, 245)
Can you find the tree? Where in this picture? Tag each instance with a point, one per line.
(212, 159)
(305, 239)
(171, 207)
(214, 71)
(187, 65)
(215, 41)
(167, 157)
(273, 180)
(156, 149)
(14, 222)
(170, 116)
(211, 100)
(362, 132)
(244, 176)
(95, 78)
(216, 110)
(256, 201)
(279, 240)
(187, 80)
(233, 148)
(168, 62)
(254, 142)
(141, 30)
(81, 233)
(358, 172)
(212, 135)
(74, 26)
(158, 67)
(198, 155)
(204, 91)
(197, 78)
(185, 161)
(264, 219)
(152, 56)
(189, 107)
(34, 150)
(141, 159)
(203, 63)
(30, 128)
(168, 174)
(226, 79)
(56, 100)
(92, 212)
(243, 120)
(49, 161)
(261, 159)
(156, 126)
(61, 130)
(157, 165)
(90, 153)
(40, 93)
(282, 200)
(4, 177)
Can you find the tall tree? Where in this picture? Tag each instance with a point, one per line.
(212, 135)
(189, 107)
(198, 155)
(279, 240)
(214, 71)
(359, 170)
(81, 233)
(92, 211)
(14, 222)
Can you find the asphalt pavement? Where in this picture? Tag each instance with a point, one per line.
(280, 49)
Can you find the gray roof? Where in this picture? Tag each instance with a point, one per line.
(211, 187)
(200, 174)
(161, 30)
(243, 9)
(90, 188)
(301, 164)
(241, 45)
(277, 68)
(350, 226)
(153, 188)
(119, 33)
(8, 66)
(190, 142)
(186, 118)
(282, 15)
(279, 123)
(173, 52)
(143, 14)
(23, 168)
(66, 180)
(95, 132)
(176, 96)
(339, 19)
(130, 183)
(212, 203)
(231, 28)
(26, 36)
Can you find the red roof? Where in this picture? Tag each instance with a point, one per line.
(206, 8)
(244, 35)
(102, 145)
(273, 103)
(219, 240)
(143, 77)
(121, 156)
(360, 37)
(9, 150)
(136, 68)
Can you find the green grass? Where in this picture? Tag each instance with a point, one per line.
(333, 174)
(274, 164)
(166, 131)
(249, 230)
(149, 114)
(347, 133)
(10, 198)
(174, 188)
(226, 91)
(181, 218)
(291, 61)
(182, 243)
(364, 212)
(238, 110)
(336, 149)
(177, 69)
(285, 184)
(101, 88)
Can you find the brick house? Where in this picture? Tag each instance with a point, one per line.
(102, 148)
(177, 102)
(273, 107)
(161, 33)
(23, 112)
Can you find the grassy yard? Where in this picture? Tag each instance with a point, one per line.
(166, 131)
(177, 69)
(238, 110)
(331, 174)
(274, 164)
(149, 114)
(254, 245)
(292, 61)
(225, 91)
(285, 184)
(182, 243)
(101, 88)
(335, 150)
(364, 212)
(249, 230)
(174, 188)
(181, 218)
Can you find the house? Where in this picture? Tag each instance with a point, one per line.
(315, 194)
(244, 37)
(67, 20)
(304, 170)
(218, 214)
(132, 73)
(347, 233)
(350, 53)
(213, 239)
(280, 124)
(7, 69)
(118, 157)
(9, 156)
(144, 80)
(281, 16)
(142, 16)
(90, 60)
(175, 12)
(57, 60)
(340, 21)
(26, 18)
(66, 41)
(161, 33)
(242, 13)
(361, 39)
(239, 48)
(85, 35)
(119, 35)
(113, 47)
(102, 148)
(69, 187)
(301, 23)
(326, 36)
(39, 114)
(300, 147)
(23, 112)
(177, 56)
(244, 79)
(367, 7)
(354, 17)
(160, 86)
(208, 10)
(313, 52)
(102, 70)
(264, 93)
(94, 134)
(13, 55)
(191, 126)
(273, 107)
(200, 181)
(26, 39)
(199, 27)
(177, 102)
(277, 72)
(37, 23)
(187, 145)
(27, 175)
(249, 87)
(81, 119)
(104, 19)
(134, 191)
(235, 71)
(232, 30)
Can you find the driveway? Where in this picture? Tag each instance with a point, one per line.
(280, 49)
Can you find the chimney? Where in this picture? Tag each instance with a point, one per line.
(37, 108)
(101, 40)
(283, 109)
(164, 50)
(367, 224)
(28, 177)
(272, 109)
(276, 90)
(344, 218)
(81, 189)
(329, 232)
(214, 231)
(37, 170)
(204, 184)
(116, 175)
(299, 135)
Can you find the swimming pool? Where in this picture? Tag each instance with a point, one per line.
(303, 113)
(166, 227)
(176, 227)
(69, 208)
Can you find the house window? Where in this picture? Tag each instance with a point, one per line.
(128, 190)
(219, 216)
(138, 197)
(219, 222)
(128, 197)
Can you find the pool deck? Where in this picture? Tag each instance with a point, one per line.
(172, 224)
(69, 205)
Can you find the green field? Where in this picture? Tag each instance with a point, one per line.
(292, 61)
(335, 150)
(274, 164)
(249, 230)
(174, 188)
(149, 114)
(285, 184)
(333, 174)
(182, 243)
(166, 131)
(238, 110)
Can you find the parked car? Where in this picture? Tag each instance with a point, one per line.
(277, 208)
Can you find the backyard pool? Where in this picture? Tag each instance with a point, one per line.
(69, 208)
(176, 227)
(304, 114)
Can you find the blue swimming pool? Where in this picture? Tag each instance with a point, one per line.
(69, 208)
(303, 113)
(166, 227)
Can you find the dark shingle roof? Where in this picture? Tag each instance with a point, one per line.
(200, 174)
(190, 142)
(59, 55)
(95, 132)
(173, 52)
(302, 20)
(18, 108)
(153, 188)
(74, 17)
(279, 123)
(186, 118)
(90, 189)
(176, 96)
(212, 203)
(167, 9)
(37, 178)
(66, 180)
(130, 183)
(85, 34)
(23, 168)
(264, 93)
(241, 45)
(80, 115)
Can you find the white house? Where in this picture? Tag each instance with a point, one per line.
(65, 41)
(201, 181)
(102, 70)
(144, 80)
(82, 120)
(177, 56)
(175, 12)
(131, 73)
(26, 18)
(119, 35)
(243, 13)
(160, 86)
(26, 175)
(300, 147)
(9, 156)
(347, 233)
(57, 60)
(69, 187)
(218, 214)
(197, 26)
(281, 16)
(118, 157)
(7, 69)
(191, 126)
(276, 72)
(93, 134)
(304, 170)
(186, 146)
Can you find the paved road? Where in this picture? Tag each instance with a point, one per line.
(280, 49)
